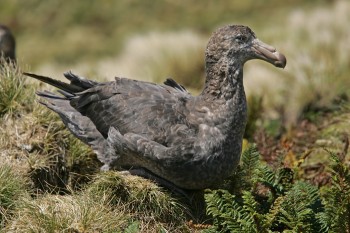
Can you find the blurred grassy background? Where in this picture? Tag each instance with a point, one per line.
(160, 39)
(69, 32)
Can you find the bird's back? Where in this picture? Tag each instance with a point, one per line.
(134, 106)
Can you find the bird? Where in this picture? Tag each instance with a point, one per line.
(161, 131)
(7, 44)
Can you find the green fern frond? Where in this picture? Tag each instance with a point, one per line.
(271, 216)
(284, 180)
(250, 161)
(336, 198)
(229, 215)
(300, 207)
(266, 175)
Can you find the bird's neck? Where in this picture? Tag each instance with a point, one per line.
(224, 94)
(224, 80)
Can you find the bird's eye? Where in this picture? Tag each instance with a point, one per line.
(241, 38)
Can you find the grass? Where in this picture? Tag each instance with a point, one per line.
(139, 195)
(146, 202)
(12, 189)
(71, 213)
(14, 93)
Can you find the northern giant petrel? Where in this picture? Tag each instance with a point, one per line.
(162, 131)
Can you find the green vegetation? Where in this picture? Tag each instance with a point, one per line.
(274, 201)
(147, 203)
(14, 94)
(296, 178)
(12, 189)
(73, 213)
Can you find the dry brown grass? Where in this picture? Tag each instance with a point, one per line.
(13, 187)
(71, 213)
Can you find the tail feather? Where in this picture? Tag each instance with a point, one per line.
(50, 95)
(66, 94)
(79, 81)
(77, 84)
(81, 126)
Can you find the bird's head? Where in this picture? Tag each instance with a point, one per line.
(240, 43)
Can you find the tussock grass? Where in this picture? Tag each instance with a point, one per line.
(58, 159)
(47, 157)
(42, 146)
(15, 95)
(13, 187)
(71, 213)
(146, 201)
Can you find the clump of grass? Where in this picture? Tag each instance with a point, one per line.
(47, 160)
(146, 201)
(58, 159)
(82, 163)
(12, 188)
(70, 213)
(15, 95)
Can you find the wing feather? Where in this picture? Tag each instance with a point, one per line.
(138, 107)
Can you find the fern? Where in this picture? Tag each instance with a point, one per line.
(336, 198)
(300, 207)
(245, 177)
(228, 213)
(271, 216)
(270, 200)
(278, 182)
(250, 162)
(267, 200)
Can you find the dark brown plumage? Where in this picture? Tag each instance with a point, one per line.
(7, 44)
(162, 131)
